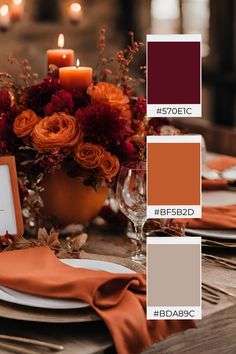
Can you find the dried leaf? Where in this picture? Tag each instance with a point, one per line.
(63, 254)
(43, 236)
(53, 241)
(49, 239)
(77, 242)
(22, 243)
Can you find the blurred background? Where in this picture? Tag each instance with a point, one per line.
(36, 24)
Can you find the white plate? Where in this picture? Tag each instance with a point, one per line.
(229, 235)
(218, 198)
(230, 173)
(21, 298)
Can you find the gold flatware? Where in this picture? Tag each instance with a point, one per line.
(228, 263)
(209, 299)
(219, 289)
(218, 243)
(31, 341)
(210, 292)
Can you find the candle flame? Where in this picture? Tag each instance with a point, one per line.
(17, 2)
(77, 63)
(4, 10)
(61, 40)
(75, 7)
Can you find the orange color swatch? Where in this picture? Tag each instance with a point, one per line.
(174, 171)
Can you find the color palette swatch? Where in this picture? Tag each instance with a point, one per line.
(174, 75)
(174, 176)
(174, 278)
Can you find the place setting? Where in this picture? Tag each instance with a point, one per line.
(219, 200)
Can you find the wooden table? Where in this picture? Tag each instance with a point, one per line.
(215, 333)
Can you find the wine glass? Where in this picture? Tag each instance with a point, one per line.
(131, 196)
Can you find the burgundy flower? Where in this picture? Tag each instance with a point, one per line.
(61, 101)
(127, 151)
(81, 99)
(3, 125)
(37, 96)
(5, 101)
(138, 107)
(6, 133)
(52, 162)
(102, 125)
(3, 146)
(155, 124)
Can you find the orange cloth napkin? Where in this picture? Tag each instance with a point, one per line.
(218, 218)
(222, 217)
(222, 163)
(214, 184)
(119, 299)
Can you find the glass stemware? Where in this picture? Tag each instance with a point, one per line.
(131, 196)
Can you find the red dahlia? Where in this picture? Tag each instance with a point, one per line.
(61, 101)
(81, 99)
(102, 124)
(5, 101)
(37, 96)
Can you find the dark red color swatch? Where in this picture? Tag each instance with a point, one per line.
(173, 72)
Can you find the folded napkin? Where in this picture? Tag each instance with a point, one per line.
(214, 184)
(218, 218)
(221, 217)
(119, 299)
(222, 163)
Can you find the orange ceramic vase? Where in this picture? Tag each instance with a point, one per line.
(69, 200)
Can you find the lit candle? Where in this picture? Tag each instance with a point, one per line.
(75, 13)
(60, 57)
(4, 18)
(75, 77)
(16, 10)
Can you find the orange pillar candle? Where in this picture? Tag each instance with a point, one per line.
(75, 77)
(60, 57)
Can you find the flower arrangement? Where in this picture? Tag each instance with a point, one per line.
(87, 134)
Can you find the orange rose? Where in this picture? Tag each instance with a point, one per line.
(109, 165)
(24, 123)
(89, 155)
(58, 131)
(104, 92)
